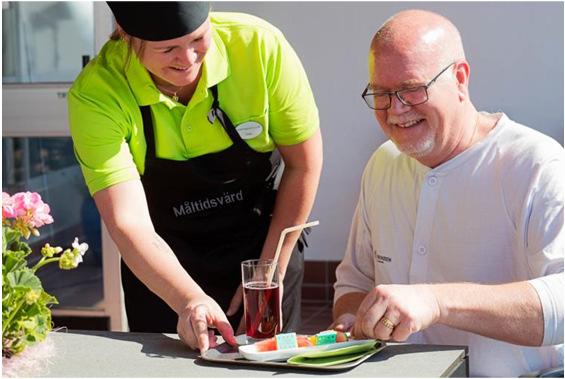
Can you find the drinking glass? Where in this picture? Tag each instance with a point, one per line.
(261, 298)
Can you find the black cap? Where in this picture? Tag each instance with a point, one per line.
(159, 21)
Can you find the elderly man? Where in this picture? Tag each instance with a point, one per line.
(457, 237)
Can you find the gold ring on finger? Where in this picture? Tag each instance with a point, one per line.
(387, 323)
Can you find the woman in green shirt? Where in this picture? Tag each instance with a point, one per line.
(174, 124)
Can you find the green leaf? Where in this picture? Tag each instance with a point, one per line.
(46, 299)
(20, 246)
(4, 239)
(24, 279)
(9, 235)
(12, 261)
(29, 323)
(31, 310)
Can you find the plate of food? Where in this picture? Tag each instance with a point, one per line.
(327, 350)
(287, 345)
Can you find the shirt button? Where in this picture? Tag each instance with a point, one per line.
(422, 250)
(432, 180)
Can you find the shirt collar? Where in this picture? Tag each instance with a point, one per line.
(474, 151)
(215, 69)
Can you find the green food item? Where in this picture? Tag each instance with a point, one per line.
(335, 356)
(326, 337)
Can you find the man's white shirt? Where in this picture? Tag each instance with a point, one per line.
(492, 214)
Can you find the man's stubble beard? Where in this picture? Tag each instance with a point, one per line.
(419, 148)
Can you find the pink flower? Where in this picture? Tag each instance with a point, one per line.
(31, 209)
(8, 209)
(41, 215)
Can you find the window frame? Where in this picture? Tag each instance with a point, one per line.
(48, 118)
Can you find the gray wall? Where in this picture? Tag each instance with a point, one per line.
(516, 56)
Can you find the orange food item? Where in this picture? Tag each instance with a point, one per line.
(303, 341)
(269, 344)
(341, 337)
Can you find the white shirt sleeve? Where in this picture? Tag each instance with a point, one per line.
(356, 272)
(550, 292)
(545, 246)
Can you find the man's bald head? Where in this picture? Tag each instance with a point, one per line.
(411, 51)
(422, 35)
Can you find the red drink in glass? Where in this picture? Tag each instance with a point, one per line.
(262, 309)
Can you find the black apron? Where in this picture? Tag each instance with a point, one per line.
(214, 212)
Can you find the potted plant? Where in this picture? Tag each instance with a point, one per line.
(26, 313)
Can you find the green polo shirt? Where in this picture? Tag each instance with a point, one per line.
(260, 79)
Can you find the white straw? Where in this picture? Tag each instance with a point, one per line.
(281, 240)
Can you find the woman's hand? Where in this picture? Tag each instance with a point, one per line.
(344, 323)
(201, 313)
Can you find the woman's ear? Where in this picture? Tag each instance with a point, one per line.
(123, 35)
(137, 45)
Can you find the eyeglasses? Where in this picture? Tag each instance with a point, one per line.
(409, 96)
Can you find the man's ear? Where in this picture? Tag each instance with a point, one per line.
(462, 73)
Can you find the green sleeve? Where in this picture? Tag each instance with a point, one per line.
(100, 136)
(293, 115)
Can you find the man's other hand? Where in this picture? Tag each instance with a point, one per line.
(394, 312)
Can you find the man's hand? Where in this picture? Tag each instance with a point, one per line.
(201, 313)
(394, 312)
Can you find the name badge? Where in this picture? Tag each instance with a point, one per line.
(248, 130)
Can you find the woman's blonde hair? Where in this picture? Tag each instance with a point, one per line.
(120, 34)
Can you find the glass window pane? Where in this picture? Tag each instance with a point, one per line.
(45, 41)
(48, 166)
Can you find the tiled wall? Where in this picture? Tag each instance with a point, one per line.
(319, 277)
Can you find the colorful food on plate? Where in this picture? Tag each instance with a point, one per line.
(292, 340)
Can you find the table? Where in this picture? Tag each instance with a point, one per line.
(120, 354)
